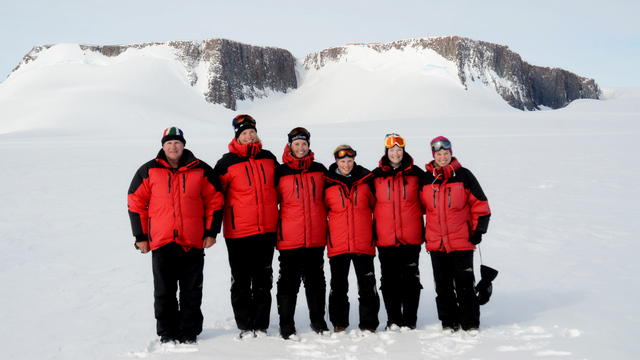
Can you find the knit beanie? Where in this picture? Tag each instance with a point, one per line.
(243, 122)
(173, 133)
(299, 133)
(433, 153)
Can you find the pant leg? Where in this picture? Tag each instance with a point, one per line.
(165, 283)
(410, 284)
(369, 300)
(262, 278)
(241, 297)
(468, 306)
(390, 283)
(338, 295)
(290, 275)
(315, 286)
(446, 300)
(191, 279)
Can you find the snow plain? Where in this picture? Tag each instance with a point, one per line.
(563, 187)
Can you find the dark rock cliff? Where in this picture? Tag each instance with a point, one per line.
(234, 71)
(522, 85)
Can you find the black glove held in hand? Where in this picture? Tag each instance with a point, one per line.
(476, 238)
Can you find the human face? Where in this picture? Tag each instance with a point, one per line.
(299, 148)
(345, 165)
(248, 136)
(173, 150)
(395, 155)
(442, 157)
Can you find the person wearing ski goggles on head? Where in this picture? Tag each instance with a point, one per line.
(349, 198)
(247, 176)
(398, 217)
(302, 234)
(457, 214)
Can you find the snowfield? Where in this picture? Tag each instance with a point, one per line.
(563, 187)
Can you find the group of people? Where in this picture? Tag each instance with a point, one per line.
(178, 204)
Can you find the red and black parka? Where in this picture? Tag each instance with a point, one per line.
(182, 205)
(455, 207)
(303, 217)
(398, 212)
(350, 202)
(247, 177)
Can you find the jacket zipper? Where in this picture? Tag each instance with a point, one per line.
(264, 176)
(434, 198)
(313, 189)
(449, 197)
(355, 200)
(388, 190)
(169, 182)
(297, 188)
(233, 219)
(341, 197)
(248, 176)
(184, 184)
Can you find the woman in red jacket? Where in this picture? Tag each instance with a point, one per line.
(247, 177)
(398, 218)
(349, 198)
(302, 233)
(457, 216)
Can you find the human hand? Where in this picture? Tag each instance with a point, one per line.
(143, 246)
(208, 242)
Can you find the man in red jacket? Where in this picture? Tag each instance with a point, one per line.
(175, 207)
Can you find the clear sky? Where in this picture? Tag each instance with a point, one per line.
(597, 39)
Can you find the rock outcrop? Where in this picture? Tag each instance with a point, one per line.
(523, 86)
(234, 71)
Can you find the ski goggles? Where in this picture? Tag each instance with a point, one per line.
(441, 144)
(242, 120)
(343, 153)
(299, 133)
(392, 140)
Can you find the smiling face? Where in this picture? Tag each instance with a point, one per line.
(173, 150)
(345, 165)
(299, 148)
(442, 157)
(395, 155)
(248, 136)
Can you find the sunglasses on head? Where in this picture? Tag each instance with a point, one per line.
(441, 144)
(343, 153)
(242, 120)
(392, 140)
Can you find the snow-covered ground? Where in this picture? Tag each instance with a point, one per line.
(563, 187)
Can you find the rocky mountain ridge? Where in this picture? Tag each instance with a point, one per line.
(236, 71)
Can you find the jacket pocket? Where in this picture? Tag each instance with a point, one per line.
(233, 218)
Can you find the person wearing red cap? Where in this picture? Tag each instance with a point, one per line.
(247, 176)
(175, 208)
(457, 214)
(398, 222)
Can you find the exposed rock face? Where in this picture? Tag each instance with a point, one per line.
(522, 85)
(234, 71)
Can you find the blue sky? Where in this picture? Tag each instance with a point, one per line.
(590, 38)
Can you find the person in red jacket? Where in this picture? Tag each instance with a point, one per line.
(398, 217)
(247, 176)
(175, 208)
(457, 216)
(302, 233)
(349, 198)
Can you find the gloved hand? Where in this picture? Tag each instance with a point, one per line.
(476, 238)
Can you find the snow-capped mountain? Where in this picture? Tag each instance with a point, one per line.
(225, 72)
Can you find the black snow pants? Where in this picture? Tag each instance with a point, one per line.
(455, 289)
(172, 266)
(369, 300)
(296, 265)
(251, 260)
(400, 283)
